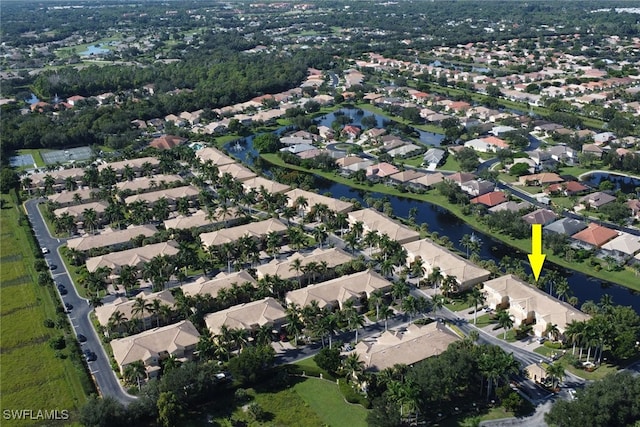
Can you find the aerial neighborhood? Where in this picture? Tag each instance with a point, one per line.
(287, 203)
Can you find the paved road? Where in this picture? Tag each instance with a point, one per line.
(105, 378)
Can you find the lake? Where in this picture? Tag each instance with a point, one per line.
(621, 182)
(94, 50)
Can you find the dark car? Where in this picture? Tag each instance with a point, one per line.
(53, 267)
(62, 290)
(82, 338)
(68, 306)
(90, 356)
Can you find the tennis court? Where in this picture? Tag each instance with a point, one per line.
(22, 160)
(65, 156)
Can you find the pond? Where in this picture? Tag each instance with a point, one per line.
(33, 100)
(625, 183)
(356, 115)
(94, 50)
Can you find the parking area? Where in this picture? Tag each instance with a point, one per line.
(67, 155)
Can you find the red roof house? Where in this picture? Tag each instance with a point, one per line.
(595, 235)
(167, 142)
(490, 199)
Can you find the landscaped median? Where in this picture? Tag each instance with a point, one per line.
(625, 277)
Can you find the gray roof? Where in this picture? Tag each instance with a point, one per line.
(568, 226)
(434, 155)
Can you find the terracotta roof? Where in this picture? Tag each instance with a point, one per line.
(167, 142)
(461, 177)
(490, 199)
(595, 235)
(246, 316)
(374, 220)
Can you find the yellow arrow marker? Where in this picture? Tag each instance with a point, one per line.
(536, 257)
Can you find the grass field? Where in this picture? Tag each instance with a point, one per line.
(326, 400)
(31, 375)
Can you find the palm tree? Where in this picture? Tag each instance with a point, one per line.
(351, 239)
(329, 325)
(90, 218)
(386, 312)
(505, 320)
(410, 306)
(573, 332)
(170, 363)
(417, 267)
(556, 372)
(154, 310)
(206, 345)
(140, 306)
(301, 203)
(476, 298)
(341, 222)
(134, 372)
(310, 270)
(116, 321)
(354, 318)
(449, 285)
(352, 366)
(296, 265)
(387, 267)
(294, 321)
(552, 331)
(466, 242)
(435, 277)
(273, 242)
(128, 277)
(375, 299)
(371, 239)
(400, 290)
(320, 234)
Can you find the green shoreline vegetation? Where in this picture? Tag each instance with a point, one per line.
(624, 277)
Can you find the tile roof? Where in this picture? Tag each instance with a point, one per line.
(595, 235)
(490, 199)
(246, 316)
(374, 220)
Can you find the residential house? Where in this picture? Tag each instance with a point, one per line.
(336, 292)
(67, 198)
(38, 180)
(126, 307)
(338, 206)
(329, 259)
(593, 149)
(171, 195)
(569, 188)
(249, 316)
(634, 205)
(113, 239)
(254, 229)
(151, 347)
(135, 257)
(406, 347)
(595, 235)
(237, 172)
(372, 220)
(381, 170)
(140, 166)
(510, 206)
(205, 286)
(405, 176)
(259, 183)
(540, 216)
(405, 150)
(540, 179)
(466, 273)
(167, 142)
(427, 181)
(477, 187)
(461, 177)
(139, 185)
(529, 305)
(603, 137)
(625, 245)
(597, 200)
(562, 153)
(216, 156)
(433, 158)
(77, 211)
(491, 199)
(204, 220)
(566, 226)
(351, 131)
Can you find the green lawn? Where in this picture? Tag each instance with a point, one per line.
(450, 165)
(327, 401)
(32, 376)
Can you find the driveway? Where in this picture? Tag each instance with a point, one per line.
(105, 378)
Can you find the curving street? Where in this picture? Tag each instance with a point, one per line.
(104, 376)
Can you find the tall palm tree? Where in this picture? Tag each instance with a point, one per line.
(116, 321)
(400, 290)
(353, 317)
(435, 277)
(556, 372)
(371, 239)
(134, 372)
(449, 285)
(410, 306)
(300, 204)
(140, 306)
(552, 331)
(573, 332)
(128, 277)
(90, 218)
(417, 267)
(295, 324)
(273, 243)
(154, 310)
(375, 299)
(296, 265)
(353, 367)
(320, 234)
(386, 312)
(505, 320)
(476, 298)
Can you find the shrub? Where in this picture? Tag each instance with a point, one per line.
(555, 345)
(256, 412)
(48, 323)
(241, 395)
(328, 359)
(57, 343)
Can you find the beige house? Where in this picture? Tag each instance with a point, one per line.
(126, 306)
(59, 177)
(249, 316)
(283, 269)
(467, 274)
(259, 183)
(142, 184)
(137, 165)
(203, 286)
(77, 210)
(136, 257)
(216, 156)
(67, 198)
(254, 229)
(337, 291)
(201, 219)
(416, 343)
(529, 304)
(170, 194)
(373, 220)
(338, 206)
(111, 238)
(237, 172)
(154, 345)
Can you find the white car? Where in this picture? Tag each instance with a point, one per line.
(44, 250)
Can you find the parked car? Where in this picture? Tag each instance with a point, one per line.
(53, 267)
(62, 290)
(44, 250)
(82, 338)
(90, 355)
(68, 306)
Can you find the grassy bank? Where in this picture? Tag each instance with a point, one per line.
(33, 375)
(626, 277)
